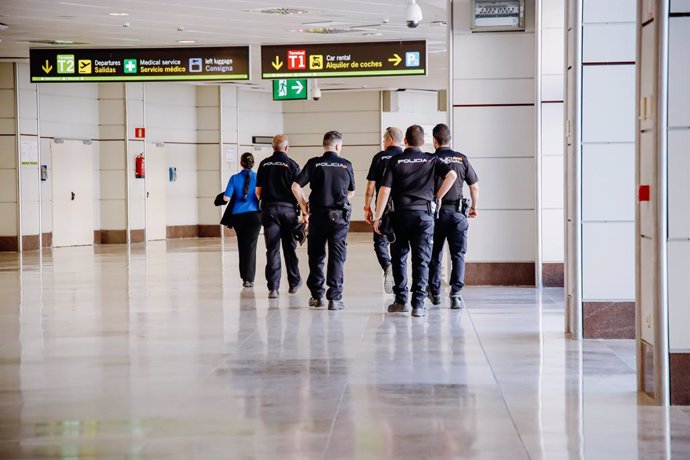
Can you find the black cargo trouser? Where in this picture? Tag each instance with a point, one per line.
(413, 230)
(279, 226)
(451, 225)
(247, 226)
(381, 249)
(327, 227)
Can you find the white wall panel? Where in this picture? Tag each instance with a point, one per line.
(113, 215)
(553, 231)
(209, 214)
(8, 185)
(553, 58)
(553, 14)
(494, 131)
(8, 223)
(207, 96)
(6, 75)
(30, 218)
(8, 152)
(552, 87)
(209, 184)
(608, 103)
(679, 69)
(182, 211)
(505, 236)
(608, 182)
(485, 91)
(678, 295)
(30, 183)
(513, 56)
(552, 182)
(111, 91)
(314, 122)
(506, 183)
(680, 6)
(112, 155)
(609, 11)
(648, 294)
(208, 157)
(111, 112)
(678, 184)
(112, 184)
(46, 214)
(608, 261)
(552, 129)
(608, 42)
(7, 103)
(348, 101)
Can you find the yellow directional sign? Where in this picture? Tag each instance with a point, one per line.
(335, 60)
(395, 59)
(47, 67)
(277, 64)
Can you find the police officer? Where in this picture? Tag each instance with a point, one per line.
(332, 182)
(411, 180)
(279, 217)
(392, 138)
(452, 223)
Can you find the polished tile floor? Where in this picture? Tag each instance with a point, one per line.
(157, 352)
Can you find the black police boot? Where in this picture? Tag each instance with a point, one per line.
(273, 294)
(397, 307)
(295, 288)
(456, 302)
(336, 304)
(434, 299)
(316, 302)
(419, 311)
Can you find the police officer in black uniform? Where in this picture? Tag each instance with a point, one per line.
(279, 217)
(392, 138)
(452, 223)
(411, 179)
(332, 182)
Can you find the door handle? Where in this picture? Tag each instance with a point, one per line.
(147, 194)
(73, 195)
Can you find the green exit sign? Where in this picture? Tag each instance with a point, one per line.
(289, 90)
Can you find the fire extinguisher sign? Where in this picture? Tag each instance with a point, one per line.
(139, 133)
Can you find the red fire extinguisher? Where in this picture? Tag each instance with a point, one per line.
(139, 167)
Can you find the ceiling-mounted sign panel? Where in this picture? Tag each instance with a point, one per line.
(139, 64)
(372, 59)
(290, 90)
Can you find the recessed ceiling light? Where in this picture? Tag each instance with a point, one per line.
(280, 11)
(63, 42)
(118, 14)
(186, 42)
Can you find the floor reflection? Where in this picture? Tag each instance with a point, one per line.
(156, 351)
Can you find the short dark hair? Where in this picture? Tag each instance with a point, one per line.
(414, 136)
(441, 133)
(331, 138)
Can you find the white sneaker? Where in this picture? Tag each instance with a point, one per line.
(388, 280)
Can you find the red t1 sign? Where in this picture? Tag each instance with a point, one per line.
(297, 60)
(139, 133)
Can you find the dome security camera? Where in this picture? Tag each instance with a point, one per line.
(413, 14)
(315, 91)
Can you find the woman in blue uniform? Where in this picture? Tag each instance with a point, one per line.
(246, 217)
